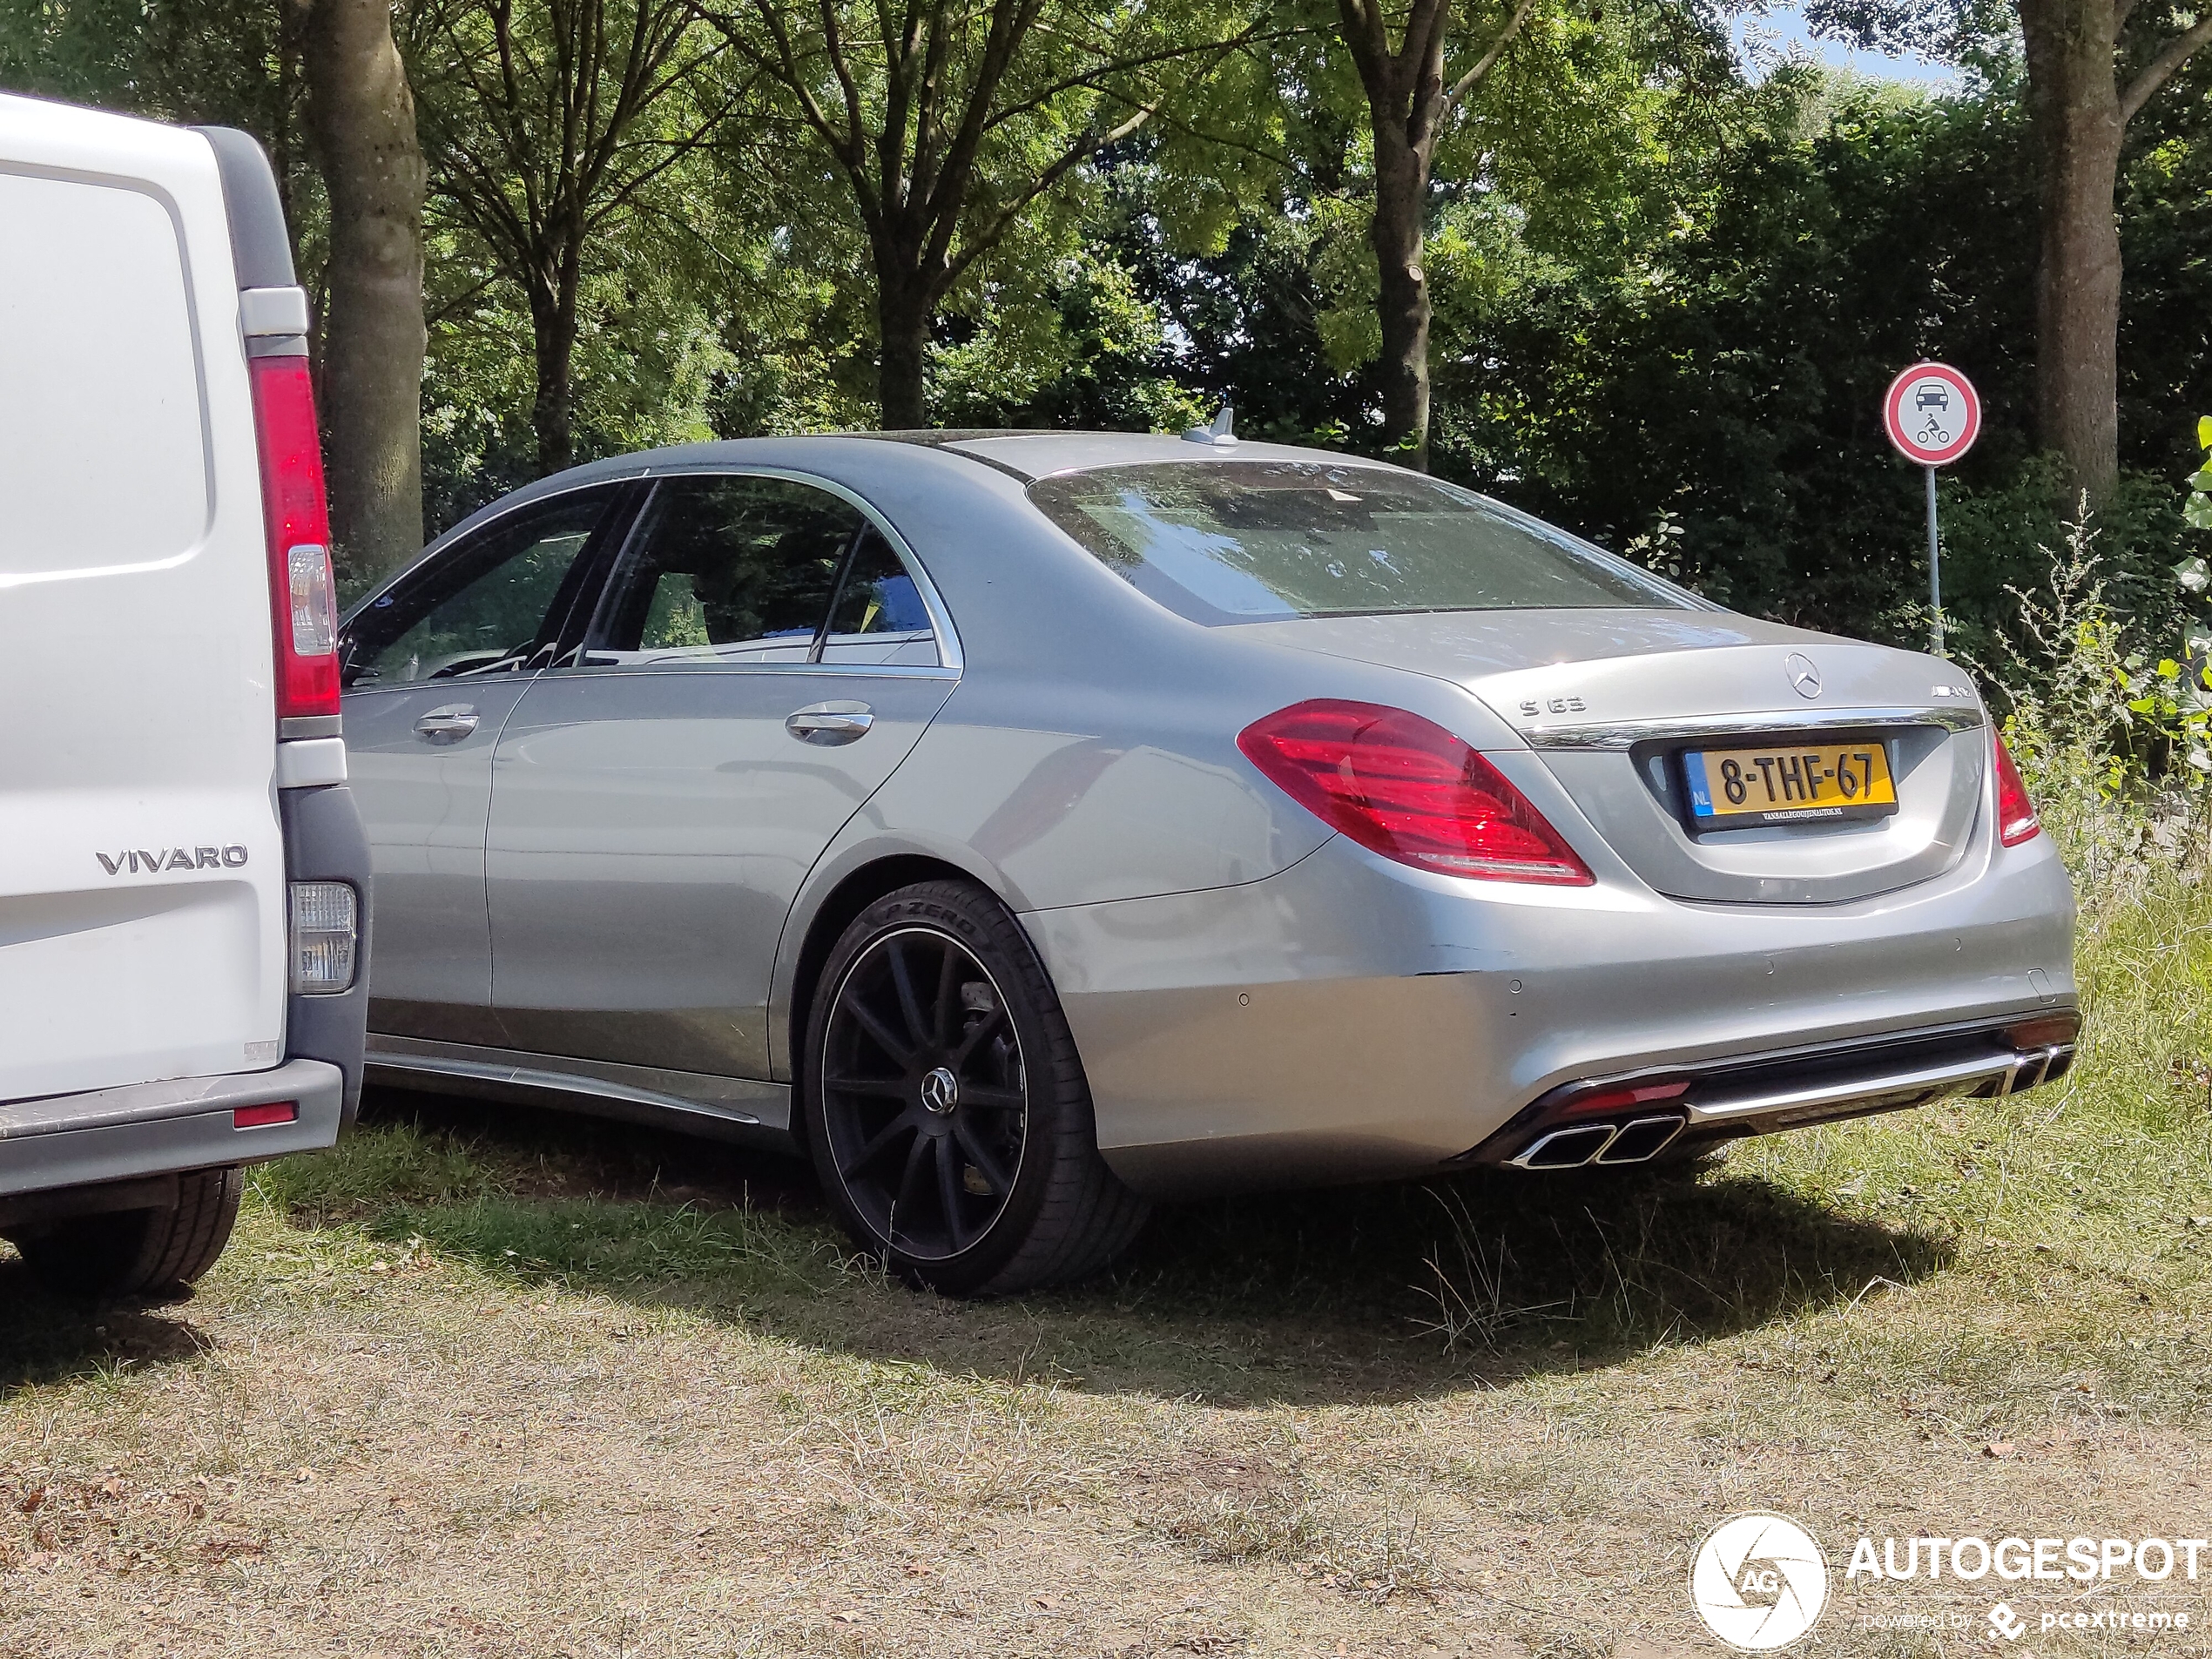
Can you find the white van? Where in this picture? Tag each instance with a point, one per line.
(184, 883)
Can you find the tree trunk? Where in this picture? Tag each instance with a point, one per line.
(1398, 232)
(552, 407)
(903, 306)
(362, 115)
(2074, 103)
(289, 115)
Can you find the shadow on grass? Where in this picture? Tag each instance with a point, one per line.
(49, 1339)
(1304, 1297)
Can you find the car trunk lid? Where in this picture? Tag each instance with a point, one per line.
(1613, 701)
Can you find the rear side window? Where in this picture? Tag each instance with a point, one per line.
(1261, 541)
(728, 568)
(879, 617)
(489, 604)
(102, 446)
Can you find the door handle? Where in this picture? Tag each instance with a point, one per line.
(447, 724)
(830, 722)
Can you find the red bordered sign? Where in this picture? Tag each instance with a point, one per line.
(1933, 414)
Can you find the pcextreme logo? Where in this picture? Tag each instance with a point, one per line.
(1759, 1582)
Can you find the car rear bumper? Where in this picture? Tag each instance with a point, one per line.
(117, 1135)
(1633, 1118)
(1349, 1018)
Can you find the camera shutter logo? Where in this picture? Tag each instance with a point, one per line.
(1758, 1581)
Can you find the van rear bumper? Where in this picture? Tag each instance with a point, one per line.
(156, 1128)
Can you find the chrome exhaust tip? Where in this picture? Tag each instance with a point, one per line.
(2034, 1069)
(1637, 1141)
(1565, 1149)
(1642, 1139)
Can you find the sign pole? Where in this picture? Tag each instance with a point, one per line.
(1932, 415)
(1935, 572)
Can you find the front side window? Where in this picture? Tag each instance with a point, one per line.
(487, 606)
(1263, 541)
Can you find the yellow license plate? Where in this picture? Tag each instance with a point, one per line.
(1775, 785)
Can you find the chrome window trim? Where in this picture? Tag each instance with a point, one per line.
(1626, 734)
(950, 660)
(873, 671)
(350, 693)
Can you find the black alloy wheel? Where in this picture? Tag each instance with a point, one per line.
(923, 1093)
(945, 1104)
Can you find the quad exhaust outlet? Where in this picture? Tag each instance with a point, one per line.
(1637, 1141)
(1613, 1122)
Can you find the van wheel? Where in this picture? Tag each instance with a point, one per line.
(139, 1253)
(944, 1103)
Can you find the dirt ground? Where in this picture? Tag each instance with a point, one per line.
(483, 1384)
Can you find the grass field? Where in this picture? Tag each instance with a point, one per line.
(486, 1383)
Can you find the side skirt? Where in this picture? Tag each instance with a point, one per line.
(725, 1108)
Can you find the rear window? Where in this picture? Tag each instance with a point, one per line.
(1264, 540)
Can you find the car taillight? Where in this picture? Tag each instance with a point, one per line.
(2016, 819)
(302, 593)
(1405, 787)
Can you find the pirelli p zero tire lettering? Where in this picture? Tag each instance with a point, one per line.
(153, 1253)
(944, 1103)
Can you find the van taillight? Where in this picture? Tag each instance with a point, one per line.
(302, 592)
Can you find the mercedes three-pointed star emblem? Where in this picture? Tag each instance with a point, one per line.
(941, 1091)
(1803, 674)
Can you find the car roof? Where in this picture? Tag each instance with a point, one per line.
(1030, 456)
(1027, 455)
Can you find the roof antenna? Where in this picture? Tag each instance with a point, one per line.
(1216, 432)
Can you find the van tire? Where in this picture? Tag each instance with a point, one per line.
(151, 1253)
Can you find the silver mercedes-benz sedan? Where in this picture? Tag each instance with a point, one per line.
(1026, 826)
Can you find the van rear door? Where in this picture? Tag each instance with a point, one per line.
(142, 919)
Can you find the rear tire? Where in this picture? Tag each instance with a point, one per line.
(139, 1253)
(944, 1103)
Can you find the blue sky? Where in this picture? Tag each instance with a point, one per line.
(1784, 29)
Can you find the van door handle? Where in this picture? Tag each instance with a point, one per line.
(830, 722)
(447, 724)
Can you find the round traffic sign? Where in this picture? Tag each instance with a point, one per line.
(1933, 414)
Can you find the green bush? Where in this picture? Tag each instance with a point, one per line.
(2110, 712)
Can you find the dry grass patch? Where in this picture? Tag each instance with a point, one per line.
(488, 1384)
